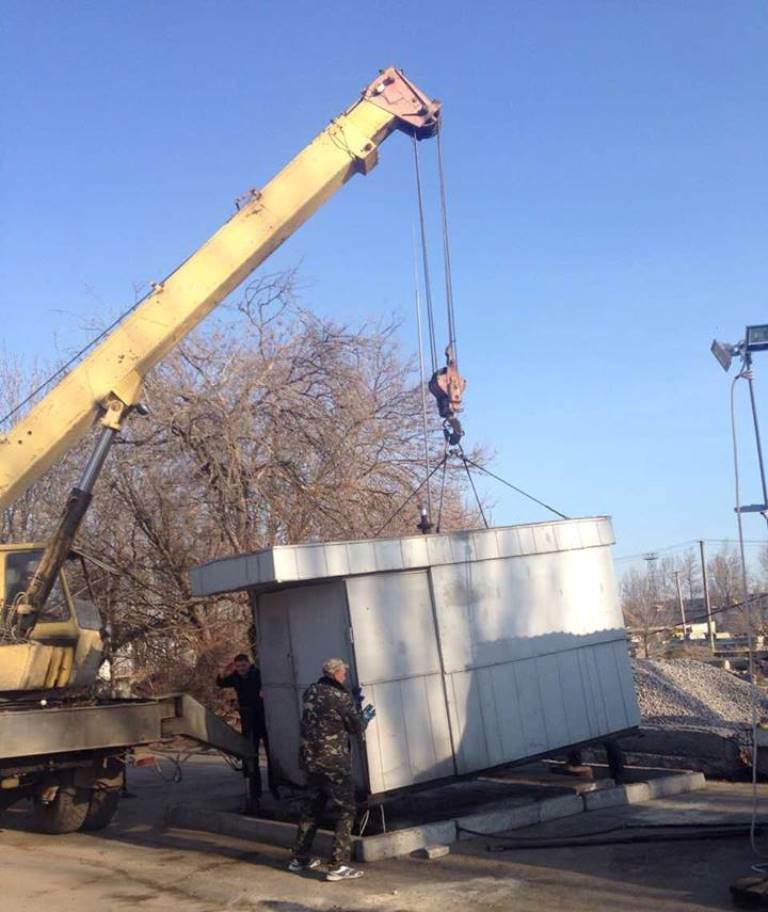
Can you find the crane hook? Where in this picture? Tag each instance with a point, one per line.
(447, 386)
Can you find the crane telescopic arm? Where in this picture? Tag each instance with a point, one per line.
(107, 383)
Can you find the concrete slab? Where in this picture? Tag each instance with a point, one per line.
(403, 842)
(562, 806)
(489, 819)
(431, 852)
(637, 792)
(497, 821)
(676, 784)
(605, 798)
(717, 754)
(257, 829)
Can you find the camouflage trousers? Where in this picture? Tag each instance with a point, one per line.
(340, 791)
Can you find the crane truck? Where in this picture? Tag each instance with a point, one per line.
(60, 745)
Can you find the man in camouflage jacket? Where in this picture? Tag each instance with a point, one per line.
(331, 716)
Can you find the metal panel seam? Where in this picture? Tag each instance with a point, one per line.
(441, 660)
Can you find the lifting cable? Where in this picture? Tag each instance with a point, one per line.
(474, 489)
(467, 462)
(515, 488)
(446, 252)
(425, 258)
(422, 379)
(410, 497)
(452, 447)
(442, 494)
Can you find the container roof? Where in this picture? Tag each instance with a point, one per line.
(272, 568)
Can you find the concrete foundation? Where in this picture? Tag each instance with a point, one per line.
(485, 820)
(718, 754)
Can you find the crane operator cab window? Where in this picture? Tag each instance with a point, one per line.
(19, 568)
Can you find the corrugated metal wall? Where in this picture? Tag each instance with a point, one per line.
(470, 664)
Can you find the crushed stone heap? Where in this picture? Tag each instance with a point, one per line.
(688, 694)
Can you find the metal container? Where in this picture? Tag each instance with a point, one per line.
(477, 648)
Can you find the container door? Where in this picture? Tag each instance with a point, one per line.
(398, 666)
(319, 627)
(299, 629)
(277, 677)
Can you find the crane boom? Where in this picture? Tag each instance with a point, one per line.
(108, 381)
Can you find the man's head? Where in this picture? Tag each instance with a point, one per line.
(336, 669)
(242, 664)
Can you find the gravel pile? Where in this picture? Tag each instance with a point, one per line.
(685, 693)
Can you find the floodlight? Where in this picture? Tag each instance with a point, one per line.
(723, 352)
(757, 338)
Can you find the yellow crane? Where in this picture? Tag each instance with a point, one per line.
(107, 384)
(38, 653)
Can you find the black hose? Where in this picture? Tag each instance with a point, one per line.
(628, 839)
(676, 832)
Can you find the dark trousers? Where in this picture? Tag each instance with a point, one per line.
(253, 727)
(340, 791)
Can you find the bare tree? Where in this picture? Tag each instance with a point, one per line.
(271, 426)
(727, 589)
(689, 567)
(639, 606)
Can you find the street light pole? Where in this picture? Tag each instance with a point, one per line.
(750, 383)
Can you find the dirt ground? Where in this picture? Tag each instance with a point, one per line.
(138, 864)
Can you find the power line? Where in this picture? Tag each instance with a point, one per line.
(689, 544)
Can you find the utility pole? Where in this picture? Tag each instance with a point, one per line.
(649, 558)
(707, 604)
(680, 599)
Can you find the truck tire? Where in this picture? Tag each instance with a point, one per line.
(66, 813)
(101, 808)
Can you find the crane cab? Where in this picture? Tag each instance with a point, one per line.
(65, 647)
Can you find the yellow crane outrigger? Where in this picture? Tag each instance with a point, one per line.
(107, 384)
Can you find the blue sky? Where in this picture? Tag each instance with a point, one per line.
(606, 178)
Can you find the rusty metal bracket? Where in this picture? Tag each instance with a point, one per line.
(417, 113)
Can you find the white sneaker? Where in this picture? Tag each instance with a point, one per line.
(296, 866)
(343, 872)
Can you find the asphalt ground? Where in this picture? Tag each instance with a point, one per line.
(139, 864)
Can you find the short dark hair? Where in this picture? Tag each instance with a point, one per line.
(241, 657)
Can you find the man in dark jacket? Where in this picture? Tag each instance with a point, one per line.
(330, 717)
(245, 678)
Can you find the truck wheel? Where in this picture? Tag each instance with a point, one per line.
(66, 813)
(101, 808)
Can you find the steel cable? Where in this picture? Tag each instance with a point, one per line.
(442, 493)
(474, 489)
(410, 497)
(446, 252)
(515, 488)
(422, 381)
(425, 258)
